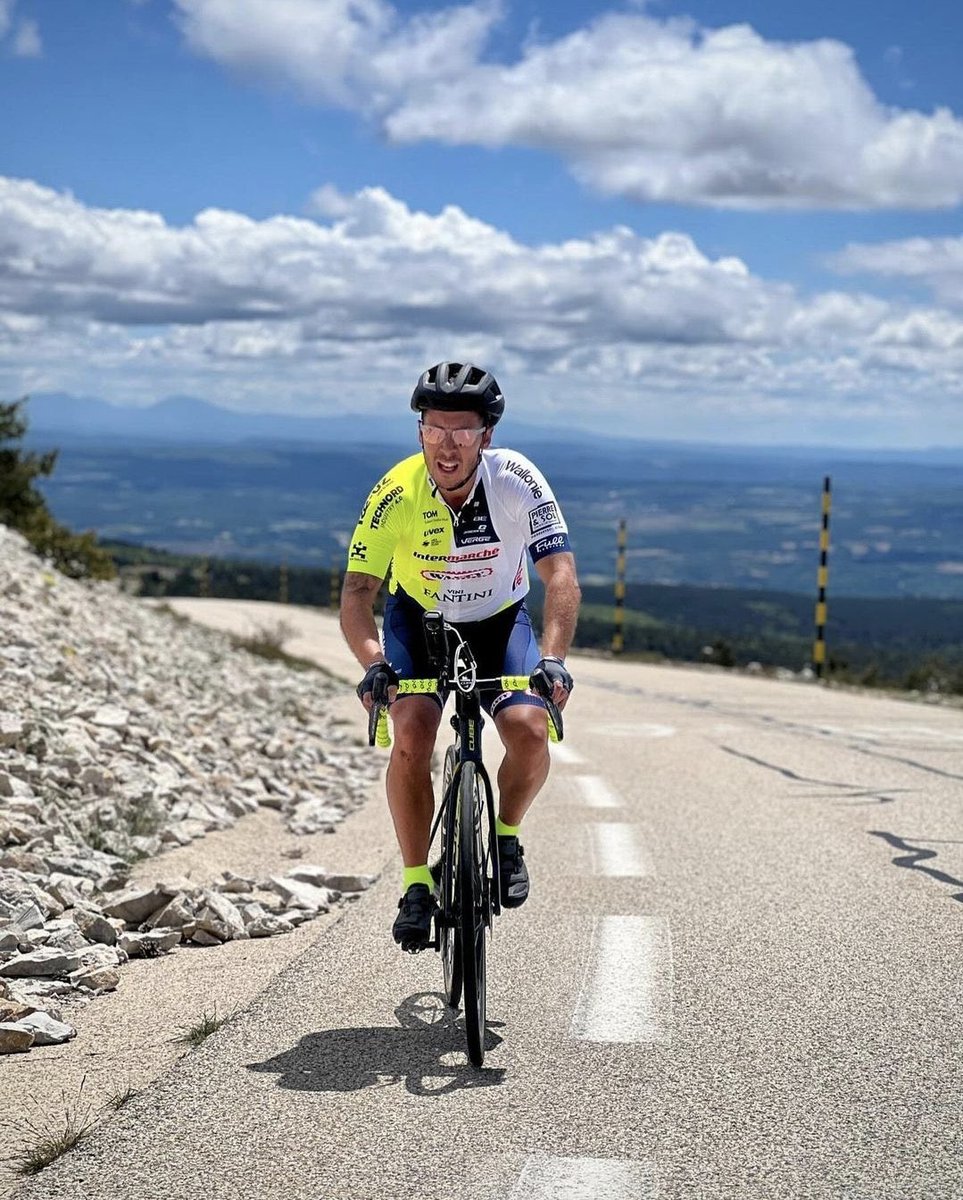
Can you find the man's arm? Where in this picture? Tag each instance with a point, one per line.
(357, 616)
(562, 598)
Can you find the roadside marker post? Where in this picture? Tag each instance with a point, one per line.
(618, 637)
(819, 646)
(336, 582)
(204, 583)
(283, 582)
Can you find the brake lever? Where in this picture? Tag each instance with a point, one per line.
(374, 714)
(543, 688)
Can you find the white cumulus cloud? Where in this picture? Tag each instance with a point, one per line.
(935, 263)
(655, 110)
(342, 309)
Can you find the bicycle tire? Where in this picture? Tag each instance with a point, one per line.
(449, 942)
(473, 921)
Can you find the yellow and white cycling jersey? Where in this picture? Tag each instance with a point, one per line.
(472, 563)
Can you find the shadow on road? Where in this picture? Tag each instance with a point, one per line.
(425, 1050)
(914, 856)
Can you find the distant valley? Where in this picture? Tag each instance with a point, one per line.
(259, 487)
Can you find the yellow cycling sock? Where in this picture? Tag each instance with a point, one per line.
(504, 830)
(418, 875)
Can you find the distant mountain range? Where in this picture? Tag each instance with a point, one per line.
(188, 419)
(193, 478)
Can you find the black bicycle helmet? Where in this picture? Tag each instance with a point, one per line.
(459, 387)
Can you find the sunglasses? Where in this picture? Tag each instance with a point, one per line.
(434, 435)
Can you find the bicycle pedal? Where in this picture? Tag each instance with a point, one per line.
(415, 947)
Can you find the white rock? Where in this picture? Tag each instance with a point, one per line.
(45, 1029)
(314, 816)
(43, 962)
(14, 1039)
(109, 716)
(10, 785)
(296, 894)
(136, 904)
(95, 979)
(11, 729)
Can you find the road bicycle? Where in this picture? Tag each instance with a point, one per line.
(466, 873)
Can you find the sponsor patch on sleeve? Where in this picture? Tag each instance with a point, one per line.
(550, 545)
(546, 516)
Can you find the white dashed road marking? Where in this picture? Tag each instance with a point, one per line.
(617, 851)
(565, 754)
(547, 1178)
(633, 729)
(596, 792)
(627, 993)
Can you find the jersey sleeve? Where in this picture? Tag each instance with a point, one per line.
(379, 527)
(539, 512)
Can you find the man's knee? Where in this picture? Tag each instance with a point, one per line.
(524, 731)
(415, 730)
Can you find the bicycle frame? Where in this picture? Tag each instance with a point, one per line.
(468, 890)
(468, 723)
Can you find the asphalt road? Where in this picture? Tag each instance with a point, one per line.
(738, 975)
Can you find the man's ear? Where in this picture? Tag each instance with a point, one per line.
(487, 437)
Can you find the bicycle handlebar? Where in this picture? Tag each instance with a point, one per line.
(378, 733)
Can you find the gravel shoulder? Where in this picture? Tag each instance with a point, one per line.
(129, 1037)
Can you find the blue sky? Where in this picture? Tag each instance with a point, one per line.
(724, 222)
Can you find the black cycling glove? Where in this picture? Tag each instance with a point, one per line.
(377, 679)
(549, 671)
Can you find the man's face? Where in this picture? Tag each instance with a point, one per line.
(452, 466)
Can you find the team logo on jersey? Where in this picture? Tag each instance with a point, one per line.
(359, 552)
(546, 516)
(474, 573)
(386, 501)
(526, 476)
(456, 595)
(474, 525)
(520, 573)
(550, 545)
(435, 529)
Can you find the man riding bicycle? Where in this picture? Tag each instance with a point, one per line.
(455, 524)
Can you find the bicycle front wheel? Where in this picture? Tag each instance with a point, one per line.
(473, 909)
(448, 934)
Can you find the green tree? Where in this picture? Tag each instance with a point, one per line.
(23, 507)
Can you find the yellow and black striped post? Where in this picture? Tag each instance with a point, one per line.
(283, 582)
(618, 637)
(819, 646)
(336, 582)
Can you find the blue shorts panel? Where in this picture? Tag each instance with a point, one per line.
(502, 645)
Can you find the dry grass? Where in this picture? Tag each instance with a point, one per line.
(40, 1140)
(201, 1030)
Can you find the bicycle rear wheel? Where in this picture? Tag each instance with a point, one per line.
(473, 908)
(448, 899)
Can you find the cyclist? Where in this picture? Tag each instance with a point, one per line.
(455, 524)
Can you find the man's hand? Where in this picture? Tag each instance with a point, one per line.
(551, 679)
(379, 686)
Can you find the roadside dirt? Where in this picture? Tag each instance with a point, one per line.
(127, 1038)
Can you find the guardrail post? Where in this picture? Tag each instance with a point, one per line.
(618, 636)
(819, 645)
